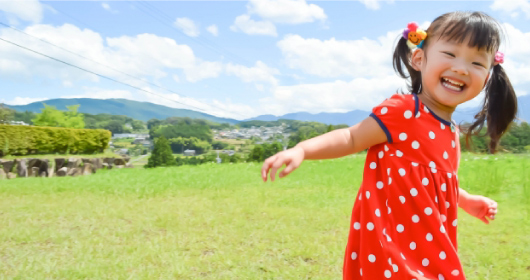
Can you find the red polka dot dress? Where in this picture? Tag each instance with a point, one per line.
(404, 219)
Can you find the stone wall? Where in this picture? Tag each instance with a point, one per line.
(60, 167)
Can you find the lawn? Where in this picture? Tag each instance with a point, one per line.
(222, 222)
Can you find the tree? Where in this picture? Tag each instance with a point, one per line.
(161, 155)
(6, 114)
(114, 127)
(50, 116)
(137, 125)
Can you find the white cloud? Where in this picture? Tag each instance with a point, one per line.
(517, 57)
(373, 4)
(259, 73)
(512, 7)
(101, 93)
(286, 11)
(246, 25)
(107, 7)
(203, 70)
(23, 100)
(335, 58)
(213, 30)
(30, 10)
(187, 26)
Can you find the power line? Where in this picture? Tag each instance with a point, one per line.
(108, 67)
(99, 75)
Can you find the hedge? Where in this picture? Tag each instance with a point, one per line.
(23, 140)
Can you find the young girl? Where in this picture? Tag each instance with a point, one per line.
(404, 219)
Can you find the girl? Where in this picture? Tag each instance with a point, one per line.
(404, 219)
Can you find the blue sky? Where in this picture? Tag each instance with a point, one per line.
(234, 59)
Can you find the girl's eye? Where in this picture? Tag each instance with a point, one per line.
(449, 54)
(479, 64)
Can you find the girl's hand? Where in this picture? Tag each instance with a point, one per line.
(292, 158)
(481, 207)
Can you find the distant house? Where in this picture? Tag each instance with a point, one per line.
(189, 152)
(17, 123)
(123, 151)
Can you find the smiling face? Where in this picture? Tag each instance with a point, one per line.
(452, 73)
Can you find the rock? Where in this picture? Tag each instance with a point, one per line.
(129, 165)
(119, 162)
(34, 172)
(50, 172)
(22, 169)
(73, 163)
(108, 161)
(87, 169)
(7, 165)
(11, 175)
(96, 162)
(43, 168)
(59, 163)
(3, 175)
(120, 166)
(74, 172)
(62, 171)
(105, 165)
(85, 160)
(126, 158)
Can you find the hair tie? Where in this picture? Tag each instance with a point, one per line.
(415, 36)
(499, 58)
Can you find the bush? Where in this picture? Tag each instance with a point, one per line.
(161, 155)
(23, 140)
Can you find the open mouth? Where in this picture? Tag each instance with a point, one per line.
(452, 85)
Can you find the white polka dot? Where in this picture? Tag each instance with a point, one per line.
(357, 225)
(373, 165)
(428, 237)
(428, 211)
(436, 199)
(371, 258)
(370, 226)
(415, 145)
(399, 153)
(389, 180)
(377, 212)
(389, 210)
(361, 271)
(379, 185)
(433, 170)
(455, 222)
(384, 110)
(395, 268)
(400, 228)
(408, 114)
(402, 256)
(432, 164)
(402, 172)
(453, 143)
(449, 175)
(455, 272)
(415, 218)
(431, 135)
(389, 261)
(443, 218)
(412, 245)
(388, 274)
(441, 277)
(414, 163)
(367, 194)
(388, 171)
(418, 114)
(442, 126)
(386, 148)
(381, 154)
(403, 136)
(413, 192)
(425, 181)
(442, 255)
(402, 199)
(388, 238)
(446, 155)
(447, 204)
(443, 187)
(353, 256)
(425, 262)
(426, 109)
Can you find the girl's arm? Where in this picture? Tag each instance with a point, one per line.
(334, 144)
(478, 206)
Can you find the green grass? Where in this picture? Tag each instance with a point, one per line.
(222, 222)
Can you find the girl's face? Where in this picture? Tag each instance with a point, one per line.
(452, 73)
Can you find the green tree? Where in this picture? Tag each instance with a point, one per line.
(50, 116)
(256, 154)
(6, 114)
(161, 155)
(137, 125)
(114, 127)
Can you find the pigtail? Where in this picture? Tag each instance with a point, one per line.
(401, 60)
(498, 109)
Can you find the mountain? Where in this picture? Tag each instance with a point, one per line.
(137, 110)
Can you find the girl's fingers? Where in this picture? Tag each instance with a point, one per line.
(266, 167)
(275, 166)
(290, 167)
(485, 220)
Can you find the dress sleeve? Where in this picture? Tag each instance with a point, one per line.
(395, 113)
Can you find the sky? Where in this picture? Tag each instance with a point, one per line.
(234, 59)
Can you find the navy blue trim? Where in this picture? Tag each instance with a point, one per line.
(417, 104)
(383, 126)
(448, 123)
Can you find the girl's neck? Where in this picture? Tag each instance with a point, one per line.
(441, 110)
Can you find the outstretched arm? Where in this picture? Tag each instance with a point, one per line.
(478, 206)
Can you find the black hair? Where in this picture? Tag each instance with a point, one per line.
(485, 33)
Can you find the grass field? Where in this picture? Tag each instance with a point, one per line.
(222, 222)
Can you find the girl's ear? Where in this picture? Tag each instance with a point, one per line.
(417, 58)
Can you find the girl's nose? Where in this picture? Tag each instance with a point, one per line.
(459, 69)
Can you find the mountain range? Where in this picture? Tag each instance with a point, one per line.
(145, 111)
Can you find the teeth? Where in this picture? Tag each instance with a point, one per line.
(453, 82)
(453, 87)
